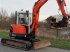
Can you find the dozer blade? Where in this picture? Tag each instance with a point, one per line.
(42, 43)
(25, 45)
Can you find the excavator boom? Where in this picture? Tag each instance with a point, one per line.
(35, 14)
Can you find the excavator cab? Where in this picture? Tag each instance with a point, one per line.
(23, 24)
(24, 18)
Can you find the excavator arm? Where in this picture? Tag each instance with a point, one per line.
(63, 22)
(61, 4)
(39, 4)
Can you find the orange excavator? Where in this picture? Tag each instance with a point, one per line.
(23, 33)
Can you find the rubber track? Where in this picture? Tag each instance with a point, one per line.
(20, 44)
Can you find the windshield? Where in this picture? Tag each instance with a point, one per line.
(23, 19)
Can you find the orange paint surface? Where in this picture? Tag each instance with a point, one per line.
(18, 29)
